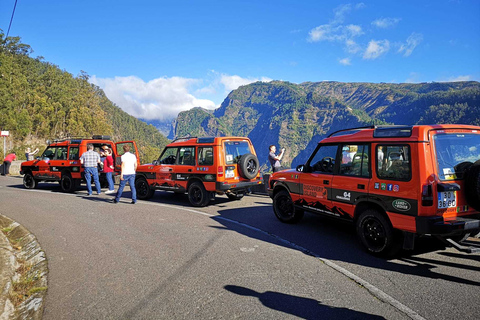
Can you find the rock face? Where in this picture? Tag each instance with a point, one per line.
(298, 116)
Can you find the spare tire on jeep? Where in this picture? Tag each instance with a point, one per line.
(248, 166)
(472, 185)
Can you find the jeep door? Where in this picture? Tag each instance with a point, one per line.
(164, 170)
(351, 181)
(316, 180)
(119, 152)
(185, 166)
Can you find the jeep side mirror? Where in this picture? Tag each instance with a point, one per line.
(300, 168)
(155, 162)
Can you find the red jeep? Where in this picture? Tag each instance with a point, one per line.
(60, 162)
(202, 167)
(393, 182)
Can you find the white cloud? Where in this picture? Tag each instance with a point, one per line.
(158, 99)
(411, 43)
(376, 48)
(460, 78)
(384, 23)
(345, 61)
(233, 82)
(163, 98)
(336, 31)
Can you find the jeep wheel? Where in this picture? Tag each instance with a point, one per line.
(472, 185)
(29, 181)
(144, 191)
(197, 195)
(377, 235)
(67, 183)
(284, 209)
(248, 166)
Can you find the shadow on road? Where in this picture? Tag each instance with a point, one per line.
(337, 241)
(304, 308)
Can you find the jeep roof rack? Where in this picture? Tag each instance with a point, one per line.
(380, 131)
(349, 131)
(183, 139)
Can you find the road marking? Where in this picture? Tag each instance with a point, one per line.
(376, 292)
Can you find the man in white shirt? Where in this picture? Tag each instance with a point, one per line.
(129, 166)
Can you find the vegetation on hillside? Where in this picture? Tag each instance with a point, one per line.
(297, 116)
(39, 101)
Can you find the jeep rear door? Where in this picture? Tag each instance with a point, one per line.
(120, 152)
(351, 181)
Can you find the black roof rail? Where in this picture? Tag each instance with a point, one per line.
(400, 129)
(183, 139)
(67, 139)
(351, 129)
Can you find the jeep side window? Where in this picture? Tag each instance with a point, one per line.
(61, 153)
(393, 162)
(323, 161)
(73, 155)
(186, 156)
(49, 153)
(205, 156)
(168, 156)
(355, 160)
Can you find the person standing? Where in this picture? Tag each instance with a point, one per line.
(29, 154)
(7, 162)
(90, 161)
(275, 159)
(129, 166)
(108, 169)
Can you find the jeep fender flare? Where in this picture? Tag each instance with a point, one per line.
(279, 186)
(375, 204)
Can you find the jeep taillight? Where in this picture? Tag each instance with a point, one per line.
(220, 171)
(427, 195)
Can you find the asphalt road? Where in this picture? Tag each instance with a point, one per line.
(162, 259)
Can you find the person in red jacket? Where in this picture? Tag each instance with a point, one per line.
(7, 162)
(108, 169)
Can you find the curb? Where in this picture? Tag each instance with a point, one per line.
(22, 263)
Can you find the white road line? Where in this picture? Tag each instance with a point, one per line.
(371, 288)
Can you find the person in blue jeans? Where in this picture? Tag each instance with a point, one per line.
(129, 166)
(90, 161)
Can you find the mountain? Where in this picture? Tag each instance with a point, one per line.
(298, 116)
(39, 101)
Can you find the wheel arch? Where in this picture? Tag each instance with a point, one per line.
(367, 205)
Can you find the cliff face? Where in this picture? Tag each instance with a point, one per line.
(297, 117)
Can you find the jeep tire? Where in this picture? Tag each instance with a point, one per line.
(198, 195)
(377, 234)
(284, 208)
(248, 166)
(29, 181)
(67, 183)
(144, 191)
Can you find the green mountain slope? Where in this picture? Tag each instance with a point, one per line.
(297, 116)
(38, 101)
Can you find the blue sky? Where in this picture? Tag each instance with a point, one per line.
(156, 58)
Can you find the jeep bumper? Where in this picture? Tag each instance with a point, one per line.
(438, 226)
(221, 186)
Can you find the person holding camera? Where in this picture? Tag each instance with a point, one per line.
(275, 159)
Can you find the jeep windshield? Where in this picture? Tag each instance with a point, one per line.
(455, 152)
(234, 150)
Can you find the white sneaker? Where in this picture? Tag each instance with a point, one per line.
(109, 191)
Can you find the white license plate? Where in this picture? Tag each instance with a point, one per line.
(229, 174)
(447, 199)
